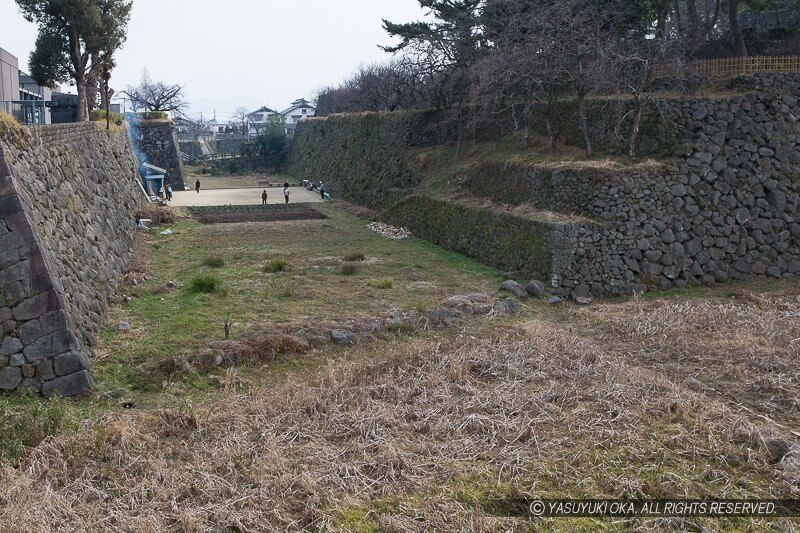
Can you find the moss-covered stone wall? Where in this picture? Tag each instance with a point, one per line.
(720, 202)
(508, 243)
(67, 196)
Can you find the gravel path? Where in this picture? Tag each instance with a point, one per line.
(241, 197)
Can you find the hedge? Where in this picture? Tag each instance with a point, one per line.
(99, 115)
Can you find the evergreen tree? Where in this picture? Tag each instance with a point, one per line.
(76, 41)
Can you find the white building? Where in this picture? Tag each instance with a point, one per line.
(259, 120)
(300, 110)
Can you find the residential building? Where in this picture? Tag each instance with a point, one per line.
(299, 110)
(259, 120)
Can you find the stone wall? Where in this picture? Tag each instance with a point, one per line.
(360, 158)
(720, 202)
(67, 195)
(508, 243)
(156, 142)
(727, 209)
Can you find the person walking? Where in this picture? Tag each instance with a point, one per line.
(264, 197)
(169, 193)
(197, 186)
(322, 190)
(286, 194)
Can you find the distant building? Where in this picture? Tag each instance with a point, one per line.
(217, 126)
(300, 110)
(20, 96)
(9, 82)
(37, 111)
(259, 120)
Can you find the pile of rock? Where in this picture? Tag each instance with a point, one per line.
(390, 232)
(535, 289)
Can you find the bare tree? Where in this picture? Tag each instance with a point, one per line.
(384, 87)
(240, 114)
(634, 68)
(156, 96)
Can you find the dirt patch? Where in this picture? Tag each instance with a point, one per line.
(355, 210)
(138, 269)
(270, 213)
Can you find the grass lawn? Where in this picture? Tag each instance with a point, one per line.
(312, 287)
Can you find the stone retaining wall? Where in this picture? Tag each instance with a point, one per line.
(720, 203)
(67, 194)
(156, 142)
(508, 243)
(726, 210)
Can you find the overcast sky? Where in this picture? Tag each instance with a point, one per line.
(231, 53)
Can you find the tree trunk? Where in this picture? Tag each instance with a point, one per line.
(584, 123)
(79, 75)
(661, 22)
(693, 26)
(91, 91)
(739, 46)
(551, 140)
(637, 121)
(83, 109)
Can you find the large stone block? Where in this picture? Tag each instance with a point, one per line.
(30, 331)
(10, 346)
(44, 370)
(55, 321)
(6, 183)
(51, 345)
(37, 306)
(29, 267)
(17, 239)
(70, 363)
(10, 378)
(11, 205)
(67, 386)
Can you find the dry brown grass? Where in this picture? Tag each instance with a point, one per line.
(138, 268)
(743, 348)
(526, 210)
(355, 210)
(159, 215)
(411, 440)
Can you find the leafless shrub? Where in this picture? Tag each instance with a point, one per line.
(159, 215)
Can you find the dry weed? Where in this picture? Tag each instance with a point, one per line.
(422, 427)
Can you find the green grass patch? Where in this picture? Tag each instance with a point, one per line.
(214, 261)
(27, 420)
(382, 284)
(355, 257)
(275, 265)
(205, 284)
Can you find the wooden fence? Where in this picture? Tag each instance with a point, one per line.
(732, 66)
